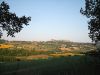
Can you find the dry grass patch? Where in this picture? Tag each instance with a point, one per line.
(37, 57)
(65, 54)
(70, 48)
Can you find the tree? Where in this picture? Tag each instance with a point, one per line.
(10, 22)
(92, 11)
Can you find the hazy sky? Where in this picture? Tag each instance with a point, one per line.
(51, 19)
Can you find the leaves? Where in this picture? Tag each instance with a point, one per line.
(10, 22)
(92, 11)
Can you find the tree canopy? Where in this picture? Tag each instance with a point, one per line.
(10, 22)
(92, 11)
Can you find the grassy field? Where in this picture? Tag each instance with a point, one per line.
(70, 65)
(48, 58)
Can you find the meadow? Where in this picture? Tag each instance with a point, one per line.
(48, 58)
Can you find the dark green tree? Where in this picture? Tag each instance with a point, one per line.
(10, 22)
(92, 11)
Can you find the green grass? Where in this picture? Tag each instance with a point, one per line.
(21, 52)
(70, 65)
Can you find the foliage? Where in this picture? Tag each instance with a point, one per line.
(92, 11)
(10, 22)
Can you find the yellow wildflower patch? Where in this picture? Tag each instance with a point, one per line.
(5, 46)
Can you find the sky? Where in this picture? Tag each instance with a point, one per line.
(50, 19)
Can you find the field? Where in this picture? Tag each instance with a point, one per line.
(48, 58)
